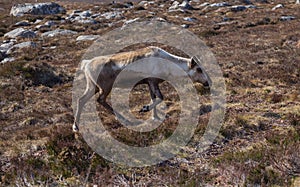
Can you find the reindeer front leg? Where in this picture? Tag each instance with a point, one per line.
(153, 98)
(156, 97)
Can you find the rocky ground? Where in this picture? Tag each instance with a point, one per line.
(256, 43)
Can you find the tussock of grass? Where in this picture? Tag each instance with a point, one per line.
(268, 164)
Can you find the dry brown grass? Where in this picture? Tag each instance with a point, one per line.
(257, 145)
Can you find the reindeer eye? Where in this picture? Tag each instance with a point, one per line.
(199, 70)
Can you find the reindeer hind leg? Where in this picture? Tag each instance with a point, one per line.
(89, 92)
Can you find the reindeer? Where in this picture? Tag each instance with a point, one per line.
(112, 65)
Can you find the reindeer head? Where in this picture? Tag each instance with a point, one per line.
(197, 73)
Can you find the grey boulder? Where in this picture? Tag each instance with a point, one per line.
(37, 9)
(21, 46)
(5, 46)
(20, 32)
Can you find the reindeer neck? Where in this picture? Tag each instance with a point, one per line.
(180, 61)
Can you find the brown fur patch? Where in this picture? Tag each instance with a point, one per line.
(131, 55)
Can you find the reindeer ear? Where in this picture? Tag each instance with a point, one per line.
(193, 62)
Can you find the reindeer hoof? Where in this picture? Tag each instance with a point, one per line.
(156, 118)
(145, 109)
(75, 128)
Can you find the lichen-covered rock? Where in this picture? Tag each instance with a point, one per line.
(21, 46)
(287, 18)
(58, 32)
(175, 5)
(182, 7)
(186, 5)
(238, 8)
(23, 23)
(189, 19)
(112, 15)
(20, 32)
(278, 6)
(6, 60)
(5, 46)
(87, 37)
(222, 4)
(37, 9)
(85, 14)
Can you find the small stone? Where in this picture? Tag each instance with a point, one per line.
(189, 19)
(41, 27)
(160, 19)
(175, 5)
(204, 4)
(277, 7)
(131, 21)
(35, 147)
(58, 32)
(87, 37)
(50, 23)
(142, 3)
(85, 14)
(37, 21)
(6, 60)
(87, 21)
(186, 5)
(23, 23)
(112, 15)
(223, 4)
(128, 4)
(185, 26)
(239, 8)
(227, 19)
(287, 18)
